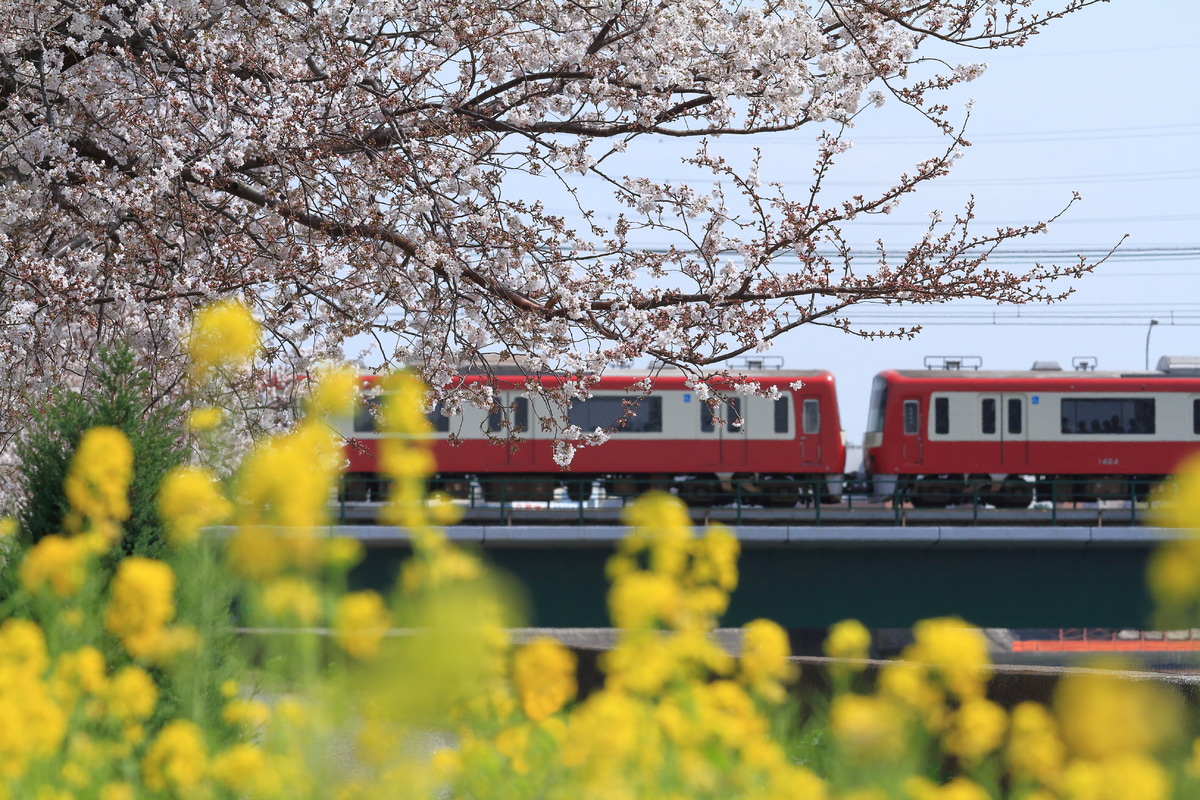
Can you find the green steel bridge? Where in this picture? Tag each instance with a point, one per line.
(1018, 575)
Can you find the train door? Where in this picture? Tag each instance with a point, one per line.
(510, 417)
(1014, 441)
(989, 448)
(809, 435)
(734, 441)
(912, 437)
(722, 426)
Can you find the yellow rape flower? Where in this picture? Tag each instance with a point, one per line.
(514, 743)
(715, 558)
(607, 728)
(141, 605)
(247, 770)
(908, 685)
(867, 726)
(342, 552)
(256, 552)
(8, 528)
(404, 409)
(176, 761)
(117, 790)
(246, 713)
(282, 493)
(22, 649)
(1129, 776)
(291, 599)
(204, 418)
(764, 661)
(1035, 751)
(976, 729)
(131, 695)
(662, 529)
(360, 621)
(955, 650)
(848, 639)
(544, 677)
(56, 563)
(962, 788)
(1173, 573)
(642, 600)
(1102, 714)
(189, 499)
(97, 483)
(335, 390)
(80, 672)
(224, 335)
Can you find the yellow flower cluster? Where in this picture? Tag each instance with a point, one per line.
(224, 336)
(360, 622)
(935, 695)
(92, 704)
(141, 607)
(190, 499)
(544, 677)
(1174, 570)
(97, 486)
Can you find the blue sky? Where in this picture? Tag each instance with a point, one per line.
(1105, 103)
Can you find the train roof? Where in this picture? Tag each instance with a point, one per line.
(1046, 375)
(1084, 368)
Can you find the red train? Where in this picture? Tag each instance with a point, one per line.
(944, 436)
(935, 437)
(770, 452)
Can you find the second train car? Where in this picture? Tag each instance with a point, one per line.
(747, 447)
(946, 436)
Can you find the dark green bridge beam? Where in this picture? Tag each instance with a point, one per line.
(813, 577)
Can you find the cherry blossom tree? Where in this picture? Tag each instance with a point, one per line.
(347, 167)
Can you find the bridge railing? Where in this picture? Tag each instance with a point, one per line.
(567, 500)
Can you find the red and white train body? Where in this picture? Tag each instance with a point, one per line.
(763, 450)
(947, 435)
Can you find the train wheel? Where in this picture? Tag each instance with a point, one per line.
(778, 493)
(624, 486)
(458, 487)
(579, 490)
(356, 487)
(535, 488)
(1143, 485)
(935, 492)
(703, 492)
(1015, 492)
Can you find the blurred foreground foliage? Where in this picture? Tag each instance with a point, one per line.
(130, 682)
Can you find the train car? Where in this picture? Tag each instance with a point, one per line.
(943, 436)
(770, 452)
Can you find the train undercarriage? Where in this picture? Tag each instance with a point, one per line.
(1021, 491)
(698, 491)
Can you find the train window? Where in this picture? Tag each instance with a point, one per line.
(911, 416)
(732, 413)
(516, 415)
(877, 405)
(987, 412)
(941, 415)
(1107, 415)
(641, 415)
(812, 415)
(782, 414)
(1014, 415)
(364, 415)
(439, 421)
(1196, 416)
